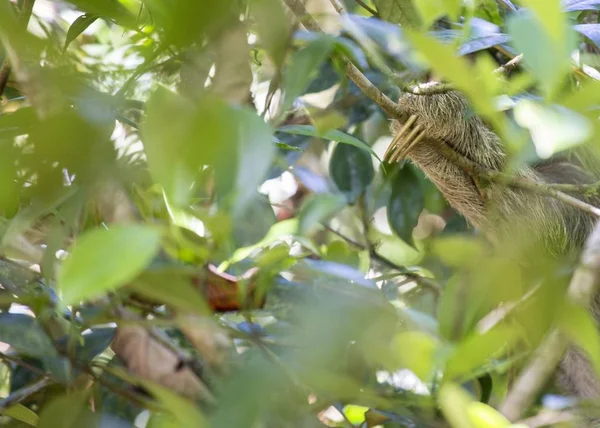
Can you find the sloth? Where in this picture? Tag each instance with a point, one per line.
(498, 211)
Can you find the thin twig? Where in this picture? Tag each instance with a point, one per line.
(24, 15)
(366, 86)
(368, 8)
(421, 280)
(581, 292)
(339, 6)
(23, 393)
(510, 65)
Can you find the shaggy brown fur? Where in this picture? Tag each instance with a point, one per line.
(503, 213)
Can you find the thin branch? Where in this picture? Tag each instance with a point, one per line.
(23, 393)
(581, 292)
(421, 280)
(546, 189)
(24, 15)
(368, 8)
(359, 79)
(339, 6)
(510, 65)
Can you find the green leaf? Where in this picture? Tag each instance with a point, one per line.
(553, 128)
(254, 222)
(399, 12)
(102, 260)
(454, 403)
(355, 414)
(110, 9)
(432, 10)
(477, 349)
(317, 208)
(484, 416)
(333, 135)
(66, 411)
(22, 413)
(303, 65)
(180, 138)
(544, 55)
(351, 169)
(415, 351)
(171, 286)
(273, 27)
(26, 335)
(405, 205)
(79, 26)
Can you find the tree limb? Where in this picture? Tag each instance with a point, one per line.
(366, 86)
(546, 189)
(581, 292)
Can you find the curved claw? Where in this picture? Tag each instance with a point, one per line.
(400, 147)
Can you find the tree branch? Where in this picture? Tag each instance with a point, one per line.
(23, 393)
(359, 79)
(581, 292)
(546, 189)
(368, 8)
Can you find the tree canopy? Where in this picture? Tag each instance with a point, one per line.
(199, 229)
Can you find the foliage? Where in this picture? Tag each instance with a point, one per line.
(164, 162)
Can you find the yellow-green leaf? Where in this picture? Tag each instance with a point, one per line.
(102, 260)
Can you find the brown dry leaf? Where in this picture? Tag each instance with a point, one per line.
(151, 360)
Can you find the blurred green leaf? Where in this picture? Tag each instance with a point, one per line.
(405, 205)
(431, 10)
(415, 350)
(484, 416)
(79, 26)
(351, 169)
(22, 413)
(454, 403)
(109, 9)
(476, 350)
(544, 54)
(553, 128)
(67, 411)
(102, 260)
(173, 286)
(273, 27)
(302, 66)
(317, 208)
(355, 414)
(185, 411)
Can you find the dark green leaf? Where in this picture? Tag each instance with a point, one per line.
(254, 222)
(351, 169)
(79, 26)
(405, 205)
(26, 335)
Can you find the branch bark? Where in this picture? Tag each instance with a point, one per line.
(581, 291)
